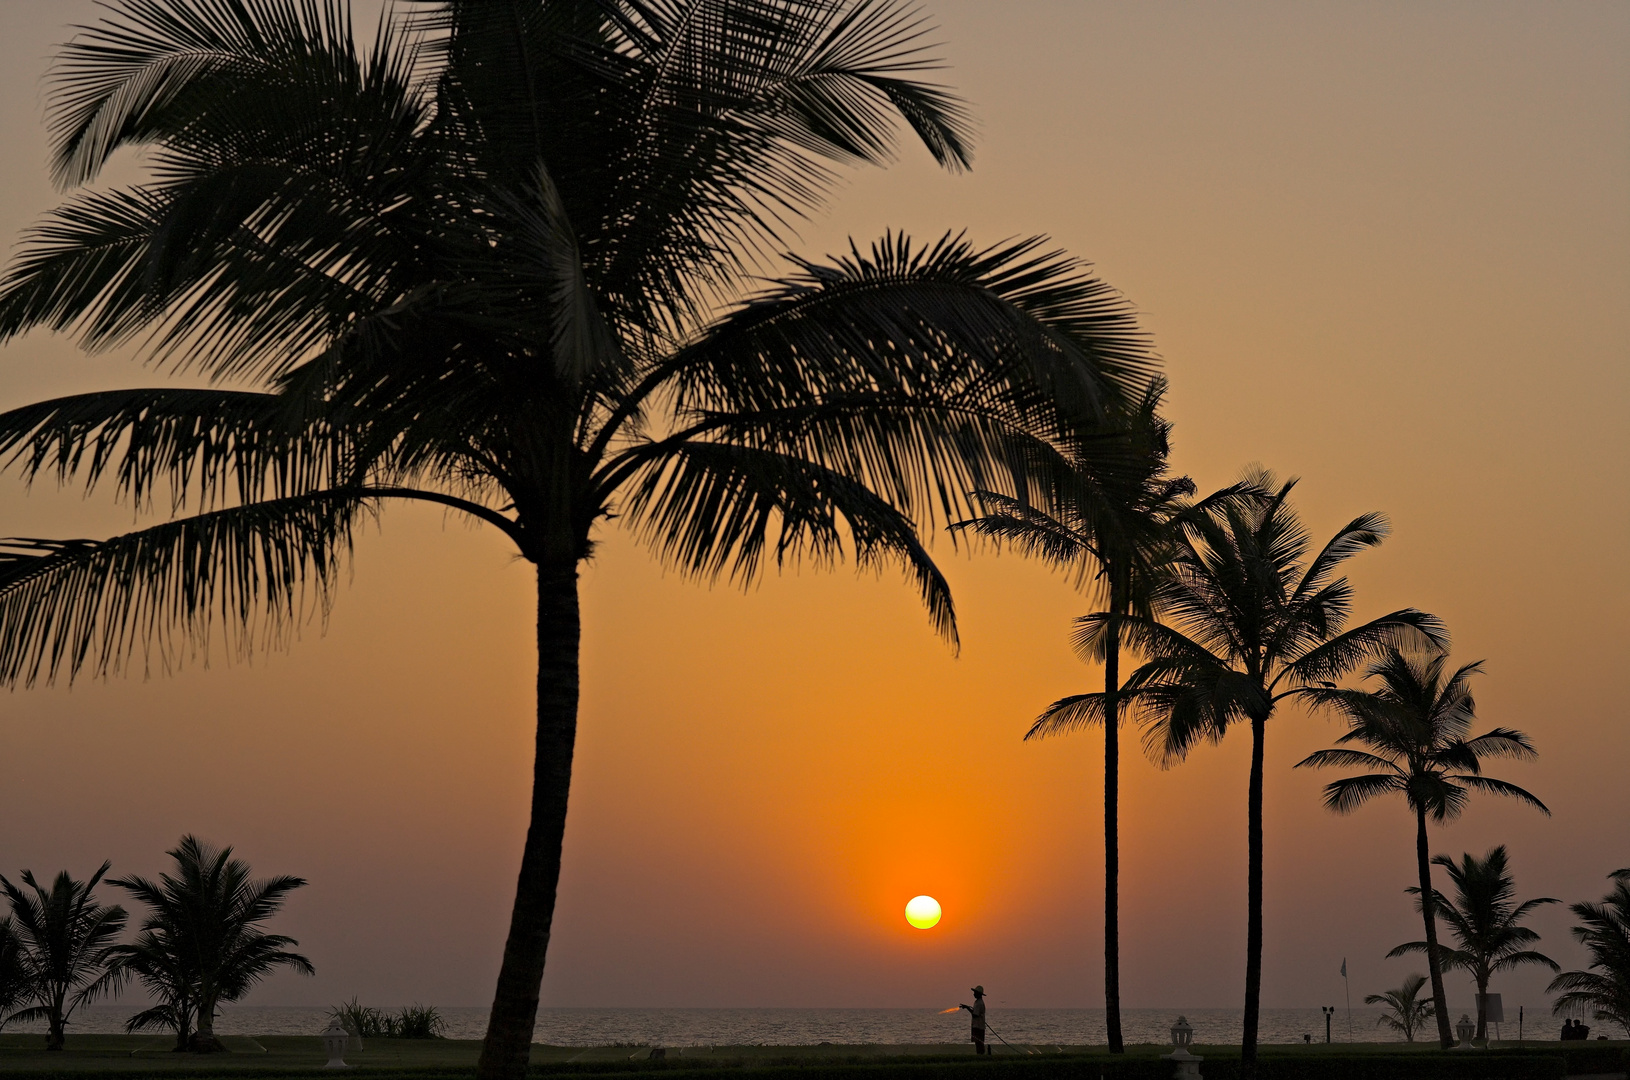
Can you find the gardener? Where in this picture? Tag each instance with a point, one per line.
(978, 1011)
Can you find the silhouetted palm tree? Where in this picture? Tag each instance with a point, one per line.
(1415, 729)
(1117, 533)
(65, 936)
(202, 934)
(1486, 922)
(155, 960)
(503, 263)
(1255, 621)
(1604, 930)
(1408, 1013)
(16, 980)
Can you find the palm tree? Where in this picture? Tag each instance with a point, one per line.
(156, 961)
(16, 980)
(1408, 1013)
(202, 942)
(1117, 532)
(65, 936)
(1604, 929)
(503, 263)
(1256, 621)
(1486, 922)
(1414, 728)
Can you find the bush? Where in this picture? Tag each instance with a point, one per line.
(358, 1019)
(415, 1022)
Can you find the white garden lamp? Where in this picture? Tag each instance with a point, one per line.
(1465, 1029)
(1188, 1065)
(334, 1044)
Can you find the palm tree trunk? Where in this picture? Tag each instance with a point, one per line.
(54, 1034)
(1253, 901)
(508, 1044)
(203, 1040)
(1112, 849)
(1423, 861)
(1482, 1009)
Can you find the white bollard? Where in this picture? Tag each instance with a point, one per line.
(334, 1040)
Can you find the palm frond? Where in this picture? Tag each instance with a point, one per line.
(1501, 787)
(212, 445)
(1344, 759)
(1067, 715)
(1347, 650)
(715, 509)
(1350, 792)
(71, 606)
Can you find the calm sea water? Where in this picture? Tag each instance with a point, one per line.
(806, 1027)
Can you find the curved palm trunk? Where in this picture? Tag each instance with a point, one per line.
(1423, 862)
(1253, 901)
(1112, 851)
(508, 1044)
(203, 1040)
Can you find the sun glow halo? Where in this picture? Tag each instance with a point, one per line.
(923, 912)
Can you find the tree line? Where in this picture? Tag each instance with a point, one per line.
(1235, 612)
(199, 945)
(521, 261)
(1490, 937)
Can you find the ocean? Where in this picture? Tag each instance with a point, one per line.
(807, 1027)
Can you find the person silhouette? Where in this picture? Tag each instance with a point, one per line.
(977, 1010)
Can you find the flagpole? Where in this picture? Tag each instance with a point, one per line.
(1349, 988)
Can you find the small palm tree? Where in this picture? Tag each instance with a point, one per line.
(159, 963)
(65, 936)
(1604, 930)
(202, 934)
(16, 980)
(1485, 921)
(1118, 532)
(1255, 622)
(1403, 1009)
(1415, 729)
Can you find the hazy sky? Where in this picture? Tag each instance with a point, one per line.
(1384, 247)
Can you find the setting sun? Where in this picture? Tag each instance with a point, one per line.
(922, 912)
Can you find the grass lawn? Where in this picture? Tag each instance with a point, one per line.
(110, 1056)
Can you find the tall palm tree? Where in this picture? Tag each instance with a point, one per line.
(16, 980)
(1604, 930)
(1486, 921)
(1408, 1012)
(1116, 532)
(1254, 621)
(1414, 728)
(204, 925)
(502, 262)
(65, 936)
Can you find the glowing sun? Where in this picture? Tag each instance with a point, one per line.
(923, 912)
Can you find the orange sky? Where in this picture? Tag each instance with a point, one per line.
(1380, 246)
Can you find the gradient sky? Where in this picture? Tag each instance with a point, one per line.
(1382, 246)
